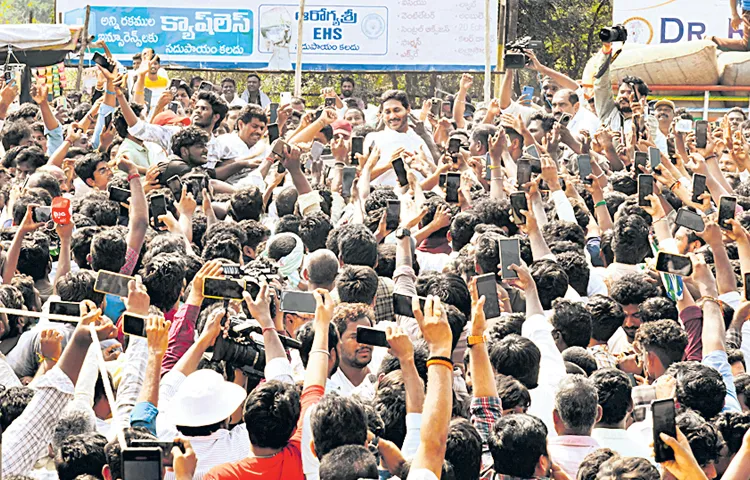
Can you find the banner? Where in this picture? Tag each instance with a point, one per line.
(672, 21)
(392, 35)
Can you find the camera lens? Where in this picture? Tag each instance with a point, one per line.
(240, 354)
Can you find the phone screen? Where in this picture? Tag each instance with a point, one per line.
(454, 145)
(347, 180)
(147, 95)
(645, 188)
(358, 145)
(273, 132)
(675, 264)
(437, 104)
(42, 214)
(393, 214)
(565, 119)
(727, 208)
(533, 151)
(142, 463)
(402, 305)
(699, 186)
(72, 309)
(108, 120)
(371, 336)
(518, 202)
(134, 325)
(175, 186)
(487, 286)
(398, 167)
(112, 283)
(174, 106)
(523, 173)
(298, 302)
(175, 83)
(510, 254)
(274, 107)
(689, 219)
(584, 168)
(158, 207)
(663, 413)
(640, 160)
(701, 133)
(747, 284)
(655, 156)
(452, 182)
(101, 60)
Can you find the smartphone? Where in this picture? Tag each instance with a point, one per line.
(518, 202)
(727, 208)
(436, 107)
(398, 167)
(565, 119)
(371, 336)
(72, 309)
(445, 108)
(175, 83)
(206, 86)
(454, 145)
(174, 106)
(701, 133)
(510, 254)
(645, 188)
(684, 126)
(674, 264)
(523, 172)
(358, 147)
(119, 195)
(584, 168)
(441, 180)
(699, 187)
(527, 92)
(347, 180)
(222, 288)
(655, 156)
(41, 214)
(663, 413)
(166, 449)
(487, 167)
(330, 102)
(108, 120)
(689, 219)
(393, 214)
(134, 324)
(147, 95)
(641, 158)
(316, 150)
(487, 286)
(298, 302)
(158, 207)
(102, 61)
(274, 113)
(279, 148)
(175, 186)
(402, 305)
(112, 283)
(142, 463)
(532, 150)
(747, 284)
(452, 183)
(273, 132)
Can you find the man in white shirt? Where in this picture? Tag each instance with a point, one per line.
(246, 145)
(567, 101)
(397, 134)
(253, 94)
(354, 371)
(229, 91)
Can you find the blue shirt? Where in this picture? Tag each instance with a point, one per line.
(718, 359)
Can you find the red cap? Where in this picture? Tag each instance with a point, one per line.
(168, 117)
(342, 127)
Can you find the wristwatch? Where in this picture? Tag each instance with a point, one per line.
(403, 232)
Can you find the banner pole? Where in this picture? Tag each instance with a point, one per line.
(487, 52)
(298, 64)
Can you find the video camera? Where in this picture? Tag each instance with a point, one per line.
(516, 58)
(616, 33)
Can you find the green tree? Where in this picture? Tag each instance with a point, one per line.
(25, 11)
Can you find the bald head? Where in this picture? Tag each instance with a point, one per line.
(321, 269)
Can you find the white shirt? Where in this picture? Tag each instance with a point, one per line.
(622, 443)
(236, 101)
(341, 385)
(584, 119)
(388, 141)
(432, 262)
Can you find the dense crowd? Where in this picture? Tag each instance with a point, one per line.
(548, 285)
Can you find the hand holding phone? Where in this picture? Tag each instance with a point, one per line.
(371, 336)
(663, 413)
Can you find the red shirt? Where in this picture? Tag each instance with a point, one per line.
(285, 465)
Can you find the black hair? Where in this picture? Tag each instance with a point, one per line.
(357, 284)
(551, 281)
(589, 468)
(576, 403)
(26, 112)
(617, 468)
(163, 277)
(81, 454)
(572, 321)
(34, 258)
(247, 204)
(188, 137)
(513, 135)
(357, 245)
(337, 421)
(398, 95)
(432, 204)
(703, 437)
(658, 308)
(273, 409)
(25, 285)
(548, 121)
(78, 286)
(462, 229)
(13, 134)
(630, 240)
(664, 338)
(31, 154)
(114, 451)
(118, 119)
(614, 390)
(581, 357)
(288, 224)
(638, 83)
(606, 317)
(633, 289)
(482, 133)
(501, 327)
(251, 111)
(46, 181)
(97, 206)
(577, 269)
(86, 166)
(561, 230)
(699, 387)
(495, 212)
(386, 260)
(735, 355)
(487, 252)
(511, 392)
(108, 249)
(390, 404)
(348, 462)
(13, 401)
(223, 247)
(255, 233)
(463, 449)
(421, 353)
(518, 357)
(80, 244)
(451, 289)
(733, 426)
(306, 334)
(516, 443)
(286, 200)
(218, 105)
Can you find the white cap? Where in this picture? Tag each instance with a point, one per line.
(205, 398)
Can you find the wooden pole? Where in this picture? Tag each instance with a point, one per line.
(84, 45)
(501, 16)
(298, 64)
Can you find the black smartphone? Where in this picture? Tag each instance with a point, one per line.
(584, 168)
(41, 214)
(747, 284)
(347, 180)
(441, 180)
(298, 302)
(487, 286)
(147, 95)
(175, 83)
(663, 413)
(206, 86)
(701, 134)
(119, 195)
(454, 145)
(274, 107)
(142, 463)
(358, 146)
(510, 254)
(689, 219)
(398, 167)
(641, 158)
(166, 449)
(280, 168)
(273, 132)
(674, 264)
(487, 167)
(174, 106)
(112, 283)
(645, 188)
(393, 214)
(699, 187)
(727, 208)
(523, 173)
(655, 156)
(157, 207)
(134, 324)
(402, 305)
(221, 288)
(104, 62)
(108, 120)
(175, 186)
(70, 309)
(565, 119)
(518, 202)
(452, 183)
(330, 102)
(435, 108)
(371, 336)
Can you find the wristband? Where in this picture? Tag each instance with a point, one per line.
(432, 362)
(42, 358)
(711, 156)
(142, 92)
(707, 298)
(600, 203)
(442, 359)
(493, 167)
(109, 92)
(675, 184)
(132, 176)
(475, 340)
(268, 329)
